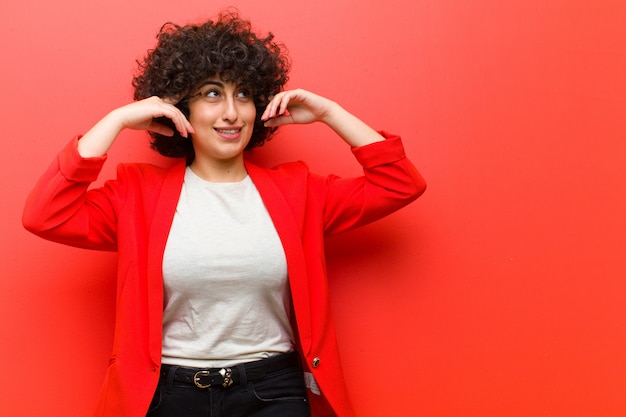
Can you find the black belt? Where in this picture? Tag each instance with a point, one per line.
(225, 377)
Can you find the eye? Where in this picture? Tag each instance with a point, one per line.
(211, 93)
(244, 94)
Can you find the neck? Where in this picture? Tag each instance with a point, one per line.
(220, 171)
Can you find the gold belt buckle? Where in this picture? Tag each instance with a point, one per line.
(225, 373)
(196, 379)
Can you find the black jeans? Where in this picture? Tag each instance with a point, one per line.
(280, 392)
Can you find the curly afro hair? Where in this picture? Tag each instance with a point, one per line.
(185, 56)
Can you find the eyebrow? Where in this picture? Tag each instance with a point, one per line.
(215, 83)
(211, 82)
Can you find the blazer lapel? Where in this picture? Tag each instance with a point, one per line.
(165, 207)
(289, 234)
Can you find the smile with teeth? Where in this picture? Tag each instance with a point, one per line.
(229, 133)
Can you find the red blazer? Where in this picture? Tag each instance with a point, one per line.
(133, 214)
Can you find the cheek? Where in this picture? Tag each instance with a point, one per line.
(193, 116)
(250, 113)
(200, 114)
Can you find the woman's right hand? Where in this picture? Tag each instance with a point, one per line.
(139, 115)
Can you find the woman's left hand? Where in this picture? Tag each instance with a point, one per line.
(296, 107)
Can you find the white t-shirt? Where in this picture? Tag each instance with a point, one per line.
(227, 296)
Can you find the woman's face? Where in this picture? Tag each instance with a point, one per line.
(222, 115)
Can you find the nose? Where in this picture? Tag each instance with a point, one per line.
(230, 110)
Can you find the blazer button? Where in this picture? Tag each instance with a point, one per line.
(315, 362)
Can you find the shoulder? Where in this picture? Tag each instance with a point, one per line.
(287, 171)
(143, 181)
(146, 172)
(291, 178)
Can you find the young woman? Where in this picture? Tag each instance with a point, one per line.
(222, 300)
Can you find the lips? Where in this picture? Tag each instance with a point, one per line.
(229, 133)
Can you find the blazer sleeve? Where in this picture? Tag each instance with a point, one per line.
(61, 208)
(389, 182)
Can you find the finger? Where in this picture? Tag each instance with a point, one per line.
(284, 104)
(182, 125)
(160, 129)
(280, 121)
(274, 122)
(267, 114)
(167, 108)
(272, 108)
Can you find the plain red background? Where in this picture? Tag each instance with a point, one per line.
(499, 293)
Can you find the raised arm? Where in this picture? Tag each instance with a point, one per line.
(139, 115)
(389, 181)
(60, 207)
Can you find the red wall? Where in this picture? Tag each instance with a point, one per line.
(499, 293)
